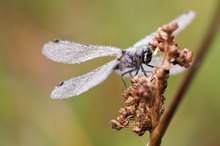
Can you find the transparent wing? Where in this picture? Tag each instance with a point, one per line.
(183, 21)
(174, 69)
(80, 84)
(71, 52)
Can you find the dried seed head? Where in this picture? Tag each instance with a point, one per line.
(144, 98)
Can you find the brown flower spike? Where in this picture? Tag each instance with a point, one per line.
(144, 98)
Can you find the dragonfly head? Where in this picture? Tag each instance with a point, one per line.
(144, 55)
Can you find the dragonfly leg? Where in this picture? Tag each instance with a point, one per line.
(144, 71)
(150, 65)
(124, 83)
(130, 73)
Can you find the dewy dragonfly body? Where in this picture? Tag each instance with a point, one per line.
(133, 61)
(136, 59)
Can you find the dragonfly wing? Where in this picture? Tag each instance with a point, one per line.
(183, 21)
(71, 52)
(80, 84)
(174, 69)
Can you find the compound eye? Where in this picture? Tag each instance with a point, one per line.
(147, 56)
(149, 53)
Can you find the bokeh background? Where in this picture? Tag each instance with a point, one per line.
(28, 117)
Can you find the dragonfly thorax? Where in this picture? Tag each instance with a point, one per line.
(130, 61)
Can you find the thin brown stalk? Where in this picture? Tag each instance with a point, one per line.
(159, 131)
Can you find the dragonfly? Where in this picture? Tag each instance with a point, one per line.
(137, 59)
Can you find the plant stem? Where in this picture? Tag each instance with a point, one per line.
(160, 129)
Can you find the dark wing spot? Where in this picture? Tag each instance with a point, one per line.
(56, 41)
(60, 84)
(187, 12)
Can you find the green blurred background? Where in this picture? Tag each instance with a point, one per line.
(28, 117)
